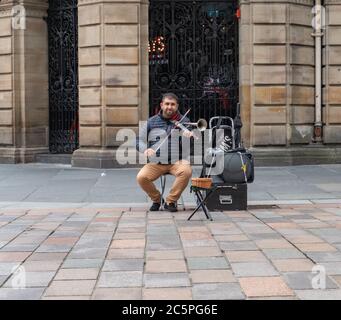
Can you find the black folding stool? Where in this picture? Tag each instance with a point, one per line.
(200, 198)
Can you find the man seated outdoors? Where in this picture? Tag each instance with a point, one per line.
(161, 142)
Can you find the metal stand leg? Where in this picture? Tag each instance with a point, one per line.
(202, 205)
(182, 202)
(163, 187)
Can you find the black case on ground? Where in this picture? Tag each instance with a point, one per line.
(228, 196)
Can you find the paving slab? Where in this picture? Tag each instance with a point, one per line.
(117, 294)
(120, 279)
(207, 263)
(238, 245)
(123, 265)
(288, 265)
(164, 280)
(321, 257)
(167, 294)
(217, 291)
(21, 294)
(333, 294)
(253, 269)
(32, 279)
(70, 288)
(288, 253)
(332, 268)
(113, 250)
(265, 286)
(77, 274)
(209, 276)
(245, 256)
(82, 263)
(304, 281)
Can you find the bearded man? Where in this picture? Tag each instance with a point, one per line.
(161, 153)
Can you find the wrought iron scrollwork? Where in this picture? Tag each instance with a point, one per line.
(193, 52)
(63, 75)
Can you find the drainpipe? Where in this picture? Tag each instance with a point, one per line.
(318, 72)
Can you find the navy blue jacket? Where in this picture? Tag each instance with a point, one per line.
(153, 133)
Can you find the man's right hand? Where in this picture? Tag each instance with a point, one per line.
(149, 152)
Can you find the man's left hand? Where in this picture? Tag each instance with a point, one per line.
(188, 134)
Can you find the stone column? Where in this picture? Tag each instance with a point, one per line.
(269, 74)
(245, 65)
(277, 72)
(263, 72)
(23, 82)
(332, 73)
(301, 64)
(113, 76)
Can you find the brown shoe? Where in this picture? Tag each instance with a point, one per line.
(156, 206)
(171, 207)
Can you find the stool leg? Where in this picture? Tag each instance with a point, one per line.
(201, 205)
(163, 187)
(182, 203)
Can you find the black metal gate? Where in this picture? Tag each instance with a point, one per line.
(63, 75)
(193, 52)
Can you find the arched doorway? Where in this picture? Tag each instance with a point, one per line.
(63, 76)
(193, 52)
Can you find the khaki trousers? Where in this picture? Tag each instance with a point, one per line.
(182, 171)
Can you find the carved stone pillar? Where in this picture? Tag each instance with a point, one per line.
(23, 80)
(113, 76)
(332, 73)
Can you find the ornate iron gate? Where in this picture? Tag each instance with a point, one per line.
(63, 75)
(193, 52)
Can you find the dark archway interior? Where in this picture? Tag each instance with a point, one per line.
(63, 76)
(193, 52)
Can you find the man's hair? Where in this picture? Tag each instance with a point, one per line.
(170, 95)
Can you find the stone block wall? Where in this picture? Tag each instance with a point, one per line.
(332, 73)
(6, 80)
(276, 76)
(23, 83)
(113, 75)
(277, 63)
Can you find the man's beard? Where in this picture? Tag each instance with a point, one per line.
(169, 114)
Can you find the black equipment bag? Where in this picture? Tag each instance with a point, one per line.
(238, 161)
(231, 184)
(238, 166)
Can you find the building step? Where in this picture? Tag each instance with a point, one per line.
(53, 158)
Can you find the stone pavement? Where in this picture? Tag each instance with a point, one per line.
(266, 252)
(35, 184)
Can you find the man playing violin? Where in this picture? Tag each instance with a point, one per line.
(164, 153)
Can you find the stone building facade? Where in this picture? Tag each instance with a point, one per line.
(276, 79)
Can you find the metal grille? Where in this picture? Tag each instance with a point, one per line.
(63, 75)
(193, 52)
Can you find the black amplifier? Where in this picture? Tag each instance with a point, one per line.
(228, 197)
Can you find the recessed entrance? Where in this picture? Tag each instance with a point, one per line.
(63, 76)
(193, 52)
